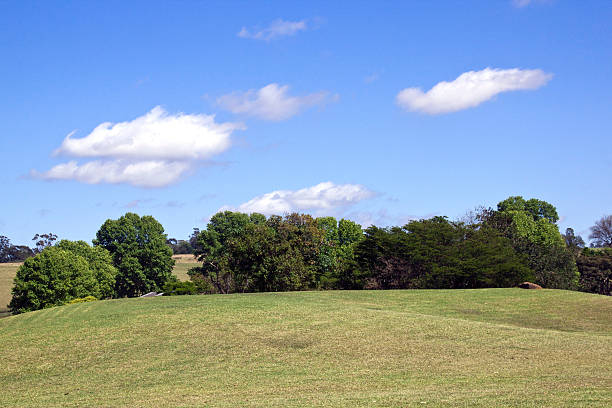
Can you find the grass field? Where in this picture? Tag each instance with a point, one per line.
(7, 274)
(469, 348)
(182, 263)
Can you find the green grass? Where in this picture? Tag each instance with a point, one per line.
(7, 274)
(472, 348)
(182, 263)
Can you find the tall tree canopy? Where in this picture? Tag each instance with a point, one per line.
(252, 253)
(139, 251)
(530, 226)
(437, 253)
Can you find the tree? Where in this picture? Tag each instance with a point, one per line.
(242, 253)
(139, 251)
(530, 227)
(537, 209)
(595, 268)
(5, 249)
(43, 241)
(211, 249)
(100, 262)
(57, 275)
(601, 232)
(574, 243)
(179, 246)
(13, 253)
(437, 253)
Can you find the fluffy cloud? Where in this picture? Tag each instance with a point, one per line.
(470, 89)
(270, 102)
(150, 173)
(322, 197)
(153, 150)
(155, 135)
(277, 28)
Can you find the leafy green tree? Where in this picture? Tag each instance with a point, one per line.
(139, 251)
(530, 226)
(537, 209)
(212, 249)
(51, 278)
(242, 253)
(100, 262)
(327, 263)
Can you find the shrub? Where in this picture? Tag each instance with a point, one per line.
(178, 288)
(82, 300)
(51, 278)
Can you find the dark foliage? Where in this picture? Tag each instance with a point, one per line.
(178, 288)
(13, 253)
(595, 268)
(42, 241)
(179, 246)
(436, 253)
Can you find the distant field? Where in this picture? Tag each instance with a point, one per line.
(182, 264)
(7, 274)
(440, 348)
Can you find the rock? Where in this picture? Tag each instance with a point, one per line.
(529, 285)
(152, 294)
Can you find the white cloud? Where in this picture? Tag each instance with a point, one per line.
(322, 197)
(271, 102)
(277, 28)
(470, 89)
(153, 150)
(152, 173)
(155, 135)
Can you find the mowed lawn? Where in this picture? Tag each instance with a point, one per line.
(446, 348)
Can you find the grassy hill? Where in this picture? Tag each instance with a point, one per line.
(486, 348)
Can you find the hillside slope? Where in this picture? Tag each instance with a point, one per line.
(491, 347)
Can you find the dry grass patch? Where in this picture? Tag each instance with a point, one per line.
(182, 263)
(7, 274)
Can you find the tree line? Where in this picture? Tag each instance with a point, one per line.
(502, 247)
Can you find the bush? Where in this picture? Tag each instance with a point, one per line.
(51, 278)
(178, 288)
(82, 300)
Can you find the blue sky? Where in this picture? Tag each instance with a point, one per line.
(375, 111)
